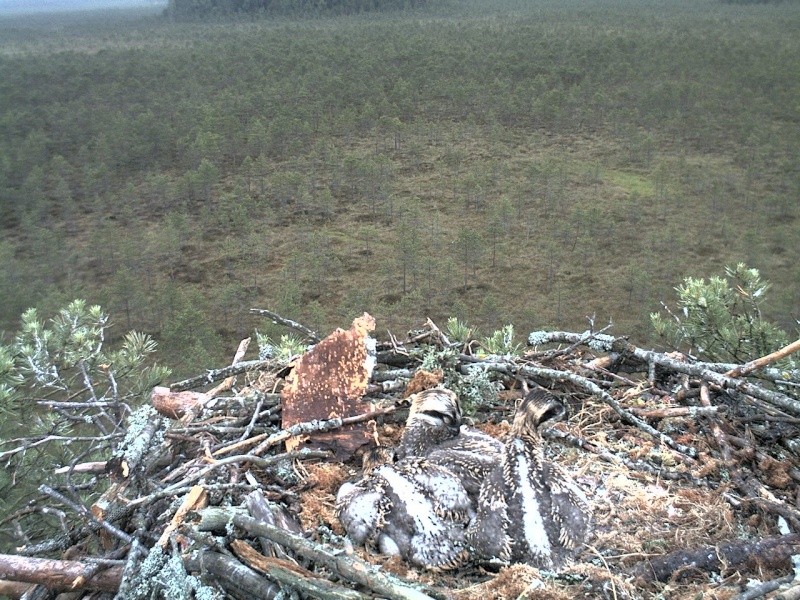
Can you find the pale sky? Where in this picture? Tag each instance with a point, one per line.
(31, 6)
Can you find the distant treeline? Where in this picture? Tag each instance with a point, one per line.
(204, 9)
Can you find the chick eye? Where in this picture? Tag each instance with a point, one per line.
(448, 420)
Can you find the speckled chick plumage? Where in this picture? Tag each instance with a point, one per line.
(434, 430)
(407, 505)
(413, 509)
(529, 510)
(433, 417)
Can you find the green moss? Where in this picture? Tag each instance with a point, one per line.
(632, 183)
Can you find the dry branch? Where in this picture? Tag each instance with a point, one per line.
(232, 575)
(759, 363)
(85, 513)
(633, 465)
(230, 460)
(293, 576)
(593, 389)
(349, 567)
(59, 574)
(227, 384)
(175, 405)
(279, 320)
(771, 552)
(777, 399)
(670, 412)
(14, 589)
(213, 375)
(761, 590)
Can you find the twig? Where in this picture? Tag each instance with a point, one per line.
(232, 574)
(765, 588)
(85, 513)
(764, 360)
(251, 425)
(678, 411)
(318, 426)
(615, 459)
(293, 576)
(612, 345)
(237, 358)
(793, 593)
(279, 320)
(756, 492)
(716, 430)
(249, 458)
(59, 574)
(27, 444)
(592, 388)
(586, 338)
(135, 556)
(596, 341)
(349, 567)
(213, 375)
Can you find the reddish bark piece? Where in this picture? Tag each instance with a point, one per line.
(328, 382)
(175, 405)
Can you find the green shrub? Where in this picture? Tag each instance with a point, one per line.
(720, 318)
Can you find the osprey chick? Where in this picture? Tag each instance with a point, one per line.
(529, 510)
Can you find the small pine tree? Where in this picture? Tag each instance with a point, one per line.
(720, 319)
(64, 397)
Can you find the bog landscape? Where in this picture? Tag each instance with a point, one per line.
(520, 195)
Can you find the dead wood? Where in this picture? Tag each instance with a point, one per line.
(293, 576)
(195, 500)
(175, 405)
(13, 589)
(260, 509)
(227, 384)
(59, 574)
(772, 553)
(176, 402)
(762, 589)
(85, 514)
(716, 430)
(348, 567)
(671, 412)
(550, 375)
(279, 320)
(213, 375)
(90, 467)
(238, 580)
(762, 362)
(793, 593)
(675, 454)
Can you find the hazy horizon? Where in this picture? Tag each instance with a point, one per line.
(19, 7)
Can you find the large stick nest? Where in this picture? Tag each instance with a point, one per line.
(692, 474)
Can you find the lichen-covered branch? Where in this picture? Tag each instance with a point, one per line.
(593, 389)
(213, 375)
(279, 320)
(349, 567)
(59, 574)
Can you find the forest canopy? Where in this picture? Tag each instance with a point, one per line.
(534, 163)
(203, 9)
